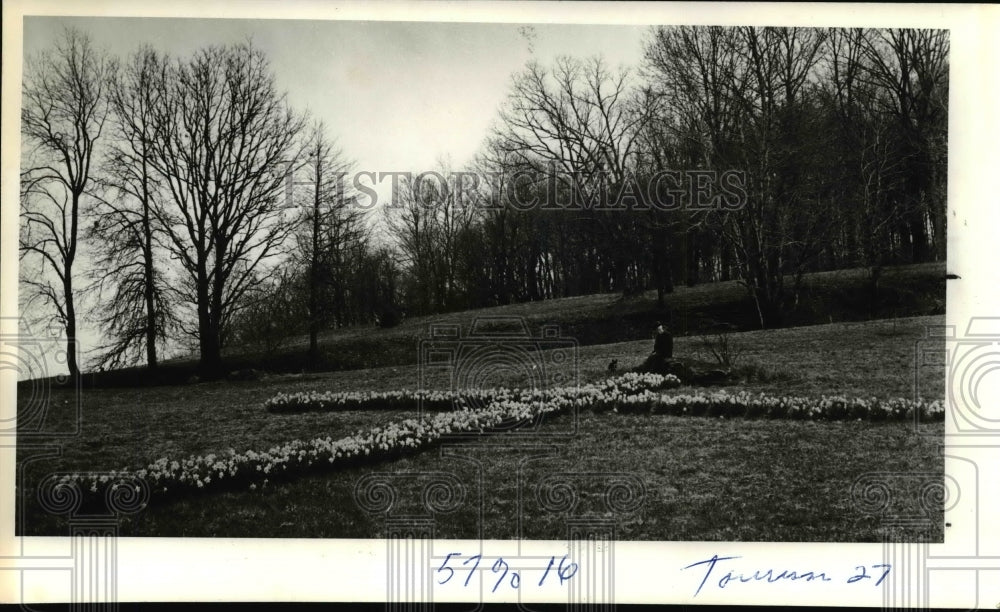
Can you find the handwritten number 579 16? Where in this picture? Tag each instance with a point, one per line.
(564, 571)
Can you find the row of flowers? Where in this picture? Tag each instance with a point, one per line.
(747, 405)
(330, 401)
(463, 399)
(253, 469)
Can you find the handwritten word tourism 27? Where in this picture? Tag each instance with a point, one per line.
(860, 573)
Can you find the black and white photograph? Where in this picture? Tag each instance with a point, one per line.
(414, 280)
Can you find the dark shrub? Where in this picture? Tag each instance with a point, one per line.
(389, 317)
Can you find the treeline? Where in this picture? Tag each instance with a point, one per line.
(213, 213)
(756, 154)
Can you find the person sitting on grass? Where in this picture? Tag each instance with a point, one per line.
(663, 343)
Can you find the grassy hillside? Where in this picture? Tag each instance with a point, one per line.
(707, 479)
(827, 297)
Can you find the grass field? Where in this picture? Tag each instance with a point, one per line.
(704, 479)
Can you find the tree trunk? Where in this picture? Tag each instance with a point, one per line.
(211, 353)
(668, 278)
(314, 272)
(531, 275)
(769, 309)
(71, 364)
(691, 258)
(148, 271)
(873, 290)
(919, 232)
(151, 360)
(71, 348)
(208, 331)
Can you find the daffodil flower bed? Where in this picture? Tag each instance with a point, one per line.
(747, 405)
(253, 469)
(383, 400)
(505, 410)
(463, 399)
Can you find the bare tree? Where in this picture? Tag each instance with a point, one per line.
(140, 312)
(580, 117)
(62, 117)
(700, 73)
(501, 245)
(225, 136)
(776, 234)
(330, 228)
(454, 207)
(271, 312)
(581, 123)
(911, 68)
(740, 98)
(699, 78)
(412, 225)
(868, 170)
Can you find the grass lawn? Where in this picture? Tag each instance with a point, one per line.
(704, 479)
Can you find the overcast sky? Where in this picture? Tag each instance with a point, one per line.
(397, 95)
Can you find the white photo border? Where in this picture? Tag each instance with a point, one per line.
(178, 569)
